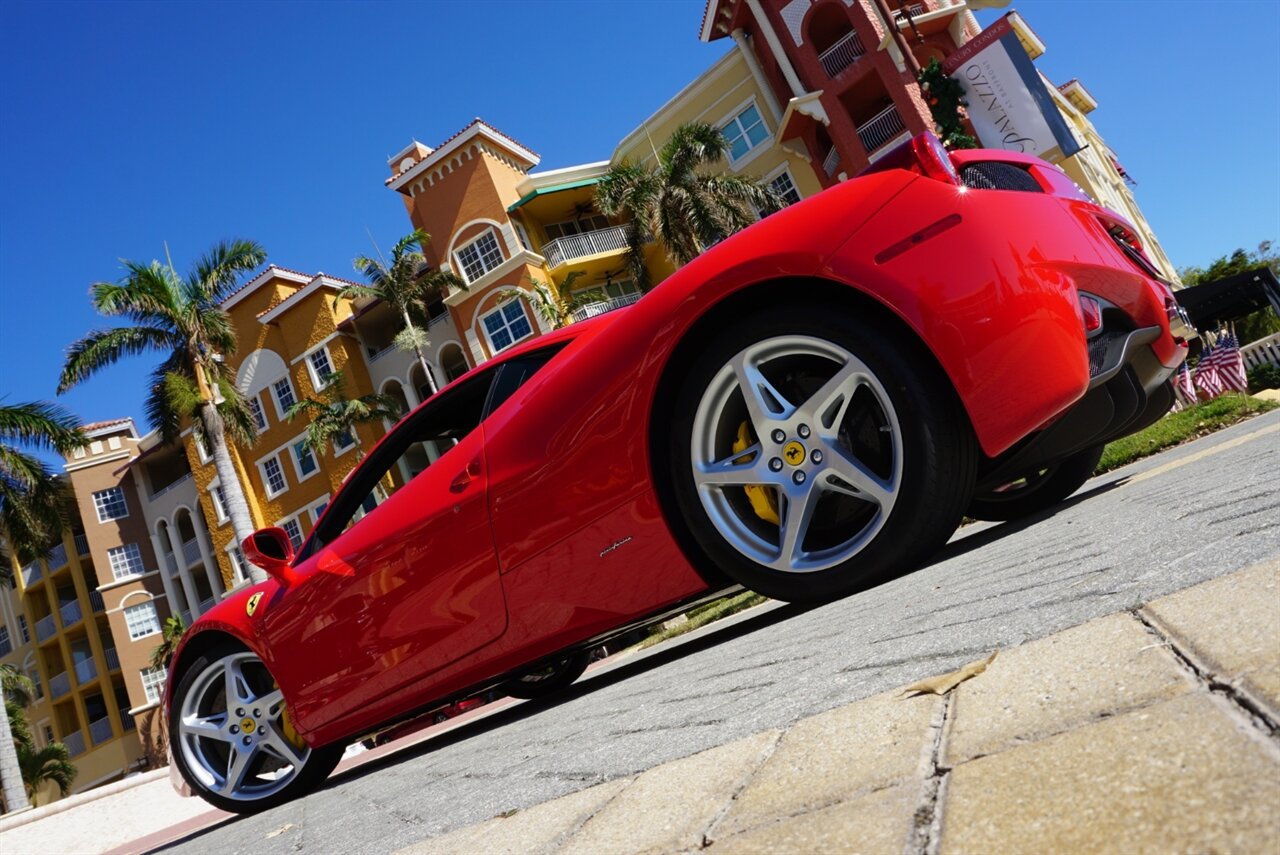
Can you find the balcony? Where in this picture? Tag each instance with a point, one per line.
(205, 605)
(6, 646)
(31, 574)
(60, 685)
(565, 249)
(113, 659)
(914, 10)
(831, 162)
(126, 721)
(71, 613)
(590, 310)
(95, 600)
(45, 628)
(86, 670)
(191, 552)
(100, 730)
(880, 129)
(842, 54)
(74, 742)
(57, 556)
(167, 487)
(82, 544)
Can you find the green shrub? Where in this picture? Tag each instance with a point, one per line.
(1265, 376)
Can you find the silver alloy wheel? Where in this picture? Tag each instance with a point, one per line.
(801, 451)
(231, 732)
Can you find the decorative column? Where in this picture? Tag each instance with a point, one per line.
(757, 73)
(163, 566)
(188, 587)
(211, 570)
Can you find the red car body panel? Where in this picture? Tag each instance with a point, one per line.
(557, 535)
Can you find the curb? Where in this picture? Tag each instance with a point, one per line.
(10, 822)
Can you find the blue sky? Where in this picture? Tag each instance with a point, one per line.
(125, 125)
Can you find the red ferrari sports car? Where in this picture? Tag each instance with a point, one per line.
(807, 407)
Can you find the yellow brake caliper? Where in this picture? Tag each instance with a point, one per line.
(763, 500)
(286, 724)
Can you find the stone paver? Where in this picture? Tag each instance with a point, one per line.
(669, 807)
(1231, 626)
(538, 829)
(872, 825)
(1181, 776)
(1107, 666)
(835, 756)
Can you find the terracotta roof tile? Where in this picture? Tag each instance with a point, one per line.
(106, 424)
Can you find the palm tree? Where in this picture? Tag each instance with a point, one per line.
(678, 201)
(32, 516)
(556, 304)
(51, 763)
(170, 636)
(333, 415)
(402, 285)
(181, 318)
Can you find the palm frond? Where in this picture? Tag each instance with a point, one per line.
(102, 348)
(40, 424)
(692, 145)
(215, 275)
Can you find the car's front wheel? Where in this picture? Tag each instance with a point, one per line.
(232, 737)
(812, 452)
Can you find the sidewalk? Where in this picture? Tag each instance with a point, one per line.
(1151, 730)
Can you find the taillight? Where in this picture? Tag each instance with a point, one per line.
(1090, 313)
(923, 154)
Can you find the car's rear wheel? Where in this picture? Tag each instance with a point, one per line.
(1039, 490)
(232, 737)
(548, 680)
(812, 453)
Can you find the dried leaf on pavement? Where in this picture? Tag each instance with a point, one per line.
(944, 683)
(281, 830)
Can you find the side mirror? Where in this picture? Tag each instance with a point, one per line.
(271, 549)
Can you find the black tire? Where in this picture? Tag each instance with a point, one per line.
(1040, 491)
(310, 772)
(549, 680)
(936, 458)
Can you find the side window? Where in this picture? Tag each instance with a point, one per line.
(415, 445)
(514, 373)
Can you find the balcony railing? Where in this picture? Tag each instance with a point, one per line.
(126, 721)
(82, 544)
(842, 54)
(6, 646)
(71, 613)
(74, 742)
(113, 659)
(95, 600)
(207, 604)
(880, 129)
(565, 249)
(45, 628)
(831, 161)
(1261, 352)
(86, 670)
(31, 574)
(57, 556)
(913, 9)
(590, 310)
(100, 730)
(60, 685)
(191, 551)
(167, 487)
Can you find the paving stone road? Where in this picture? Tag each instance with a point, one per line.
(1163, 524)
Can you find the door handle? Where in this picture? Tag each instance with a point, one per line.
(465, 477)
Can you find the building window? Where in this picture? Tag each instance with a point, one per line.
(294, 530)
(506, 325)
(272, 476)
(304, 460)
(6, 646)
(23, 629)
(587, 223)
(33, 674)
(611, 290)
(110, 504)
(48, 734)
(317, 511)
(744, 132)
(785, 188)
(255, 409)
(153, 682)
(113, 442)
(521, 234)
(321, 367)
(141, 620)
(125, 561)
(343, 441)
(285, 399)
(202, 446)
(480, 256)
(239, 566)
(78, 453)
(219, 503)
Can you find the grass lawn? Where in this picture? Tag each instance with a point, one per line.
(1177, 428)
(705, 614)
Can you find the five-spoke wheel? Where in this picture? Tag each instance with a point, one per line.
(233, 739)
(811, 452)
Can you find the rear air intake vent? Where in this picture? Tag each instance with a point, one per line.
(993, 175)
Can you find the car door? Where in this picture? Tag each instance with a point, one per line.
(391, 594)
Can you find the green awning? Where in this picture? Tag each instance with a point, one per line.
(554, 188)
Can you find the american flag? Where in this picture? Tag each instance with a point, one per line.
(1207, 379)
(1228, 363)
(1184, 387)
